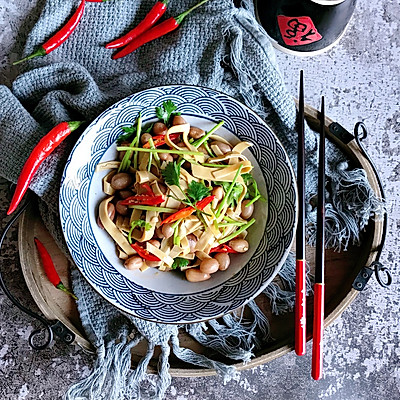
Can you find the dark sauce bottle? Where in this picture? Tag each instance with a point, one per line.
(304, 27)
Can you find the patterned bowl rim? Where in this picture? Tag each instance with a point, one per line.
(277, 267)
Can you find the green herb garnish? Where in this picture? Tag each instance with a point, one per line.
(235, 192)
(140, 223)
(167, 111)
(130, 132)
(197, 191)
(171, 173)
(252, 189)
(180, 262)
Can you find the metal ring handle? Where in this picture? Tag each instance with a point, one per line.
(13, 299)
(380, 272)
(46, 344)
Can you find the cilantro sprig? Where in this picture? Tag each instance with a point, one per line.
(252, 189)
(197, 191)
(237, 190)
(130, 132)
(180, 262)
(171, 173)
(167, 112)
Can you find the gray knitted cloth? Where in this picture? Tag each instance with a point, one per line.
(219, 46)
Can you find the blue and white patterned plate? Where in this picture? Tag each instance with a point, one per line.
(166, 296)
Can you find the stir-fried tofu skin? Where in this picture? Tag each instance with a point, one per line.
(179, 197)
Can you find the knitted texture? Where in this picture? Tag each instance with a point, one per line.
(218, 46)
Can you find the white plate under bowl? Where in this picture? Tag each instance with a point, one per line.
(166, 296)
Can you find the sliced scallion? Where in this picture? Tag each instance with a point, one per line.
(253, 200)
(238, 232)
(216, 165)
(183, 152)
(153, 208)
(200, 141)
(207, 147)
(138, 133)
(227, 194)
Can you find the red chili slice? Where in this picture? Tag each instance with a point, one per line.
(205, 202)
(159, 140)
(144, 253)
(149, 190)
(144, 199)
(222, 248)
(185, 212)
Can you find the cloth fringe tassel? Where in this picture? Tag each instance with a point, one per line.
(282, 299)
(351, 206)
(113, 379)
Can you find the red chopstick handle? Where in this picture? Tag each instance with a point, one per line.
(300, 309)
(318, 331)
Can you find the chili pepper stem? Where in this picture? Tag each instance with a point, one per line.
(60, 286)
(38, 53)
(73, 125)
(181, 17)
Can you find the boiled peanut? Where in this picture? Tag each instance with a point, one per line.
(134, 262)
(167, 230)
(192, 239)
(225, 148)
(196, 133)
(121, 181)
(209, 266)
(155, 243)
(121, 209)
(218, 192)
(195, 275)
(239, 245)
(178, 120)
(160, 128)
(145, 138)
(247, 212)
(166, 157)
(224, 261)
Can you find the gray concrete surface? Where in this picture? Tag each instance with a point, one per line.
(360, 79)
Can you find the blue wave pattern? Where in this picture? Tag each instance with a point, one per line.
(229, 295)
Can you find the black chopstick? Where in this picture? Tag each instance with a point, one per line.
(300, 300)
(319, 287)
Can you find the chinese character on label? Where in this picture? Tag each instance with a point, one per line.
(297, 31)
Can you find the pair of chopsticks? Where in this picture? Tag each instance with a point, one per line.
(319, 287)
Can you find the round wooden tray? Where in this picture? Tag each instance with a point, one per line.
(341, 270)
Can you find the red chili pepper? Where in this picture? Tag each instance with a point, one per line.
(60, 37)
(49, 268)
(205, 202)
(185, 212)
(149, 20)
(45, 146)
(159, 140)
(145, 199)
(222, 248)
(144, 253)
(148, 189)
(157, 31)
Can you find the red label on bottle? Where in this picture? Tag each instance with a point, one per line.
(297, 31)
